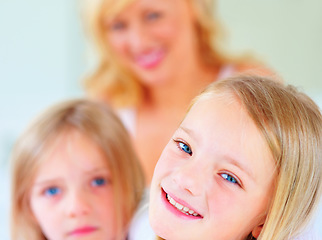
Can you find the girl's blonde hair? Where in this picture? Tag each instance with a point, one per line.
(292, 126)
(121, 86)
(97, 122)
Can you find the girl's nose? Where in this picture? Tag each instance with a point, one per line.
(77, 204)
(190, 177)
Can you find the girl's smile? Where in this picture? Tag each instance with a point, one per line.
(179, 207)
(82, 231)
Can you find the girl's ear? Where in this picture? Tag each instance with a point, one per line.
(257, 230)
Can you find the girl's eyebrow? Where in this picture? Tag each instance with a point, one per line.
(46, 182)
(102, 169)
(240, 165)
(98, 169)
(187, 131)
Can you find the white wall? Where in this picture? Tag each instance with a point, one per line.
(42, 57)
(41, 60)
(287, 34)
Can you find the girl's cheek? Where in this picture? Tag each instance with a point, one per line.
(102, 191)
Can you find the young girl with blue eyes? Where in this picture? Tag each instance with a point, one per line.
(245, 163)
(75, 176)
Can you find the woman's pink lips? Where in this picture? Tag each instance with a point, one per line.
(82, 231)
(149, 62)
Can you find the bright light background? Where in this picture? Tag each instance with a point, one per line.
(43, 58)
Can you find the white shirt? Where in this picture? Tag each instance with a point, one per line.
(140, 228)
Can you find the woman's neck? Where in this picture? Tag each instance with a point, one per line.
(177, 93)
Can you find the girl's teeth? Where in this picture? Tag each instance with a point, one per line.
(181, 208)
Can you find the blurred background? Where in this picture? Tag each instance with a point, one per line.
(44, 56)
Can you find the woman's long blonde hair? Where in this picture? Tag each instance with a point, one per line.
(97, 122)
(292, 126)
(118, 83)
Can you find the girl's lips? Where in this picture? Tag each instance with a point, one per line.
(179, 208)
(82, 231)
(150, 60)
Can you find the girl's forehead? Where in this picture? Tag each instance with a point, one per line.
(213, 118)
(215, 114)
(213, 103)
(72, 150)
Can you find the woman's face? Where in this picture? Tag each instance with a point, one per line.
(72, 195)
(214, 179)
(153, 39)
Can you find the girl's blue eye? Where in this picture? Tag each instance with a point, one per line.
(229, 178)
(98, 182)
(52, 191)
(185, 148)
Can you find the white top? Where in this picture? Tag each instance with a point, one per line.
(128, 115)
(140, 228)
(128, 118)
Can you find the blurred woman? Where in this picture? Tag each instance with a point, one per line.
(154, 57)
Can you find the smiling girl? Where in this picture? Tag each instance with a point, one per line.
(75, 176)
(245, 163)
